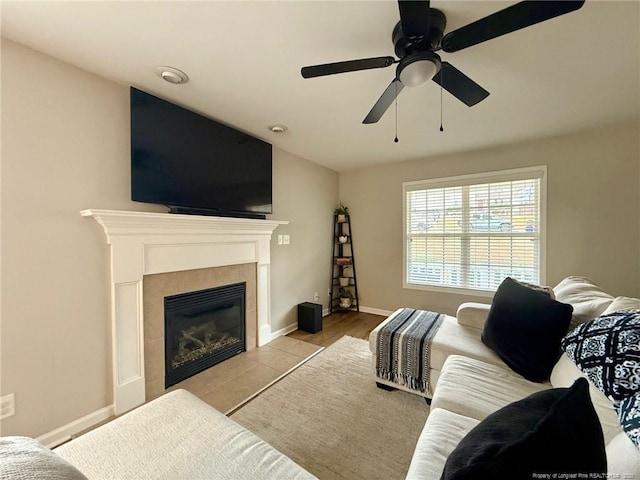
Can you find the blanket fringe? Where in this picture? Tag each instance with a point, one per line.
(404, 380)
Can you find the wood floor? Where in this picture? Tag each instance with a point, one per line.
(339, 324)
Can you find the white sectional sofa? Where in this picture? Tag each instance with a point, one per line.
(470, 382)
(176, 436)
(204, 444)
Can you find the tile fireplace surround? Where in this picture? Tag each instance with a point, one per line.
(155, 243)
(156, 287)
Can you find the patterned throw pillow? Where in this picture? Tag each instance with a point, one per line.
(607, 350)
(629, 415)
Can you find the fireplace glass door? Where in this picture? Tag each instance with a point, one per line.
(202, 329)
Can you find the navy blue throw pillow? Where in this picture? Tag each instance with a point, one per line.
(550, 432)
(607, 350)
(629, 415)
(524, 327)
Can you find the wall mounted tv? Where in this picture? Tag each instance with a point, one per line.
(195, 165)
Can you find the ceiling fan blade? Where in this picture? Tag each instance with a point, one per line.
(515, 17)
(385, 100)
(348, 66)
(414, 17)
(459, 85)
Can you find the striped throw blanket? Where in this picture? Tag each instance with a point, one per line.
(403, 348)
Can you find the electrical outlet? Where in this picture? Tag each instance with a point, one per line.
(285, 239)
(7, 406)
(316, 296)
(279, 239)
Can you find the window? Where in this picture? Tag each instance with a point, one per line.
(472, 231)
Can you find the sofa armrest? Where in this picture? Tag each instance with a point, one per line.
(471, 314)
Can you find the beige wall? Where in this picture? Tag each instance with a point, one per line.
(65, 147)
(593, 213)
(305, 194)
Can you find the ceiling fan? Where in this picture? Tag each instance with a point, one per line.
(419, 35)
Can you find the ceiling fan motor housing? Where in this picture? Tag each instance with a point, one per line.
(431, 41)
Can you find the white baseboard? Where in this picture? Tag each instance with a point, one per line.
(375, 311)
(283, 331)
(65, 432)
(325, 312)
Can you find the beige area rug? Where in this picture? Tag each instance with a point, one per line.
(329, 417)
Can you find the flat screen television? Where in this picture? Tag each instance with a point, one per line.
(194, 164)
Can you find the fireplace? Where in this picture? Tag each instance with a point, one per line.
(202, 329)
(144, 244)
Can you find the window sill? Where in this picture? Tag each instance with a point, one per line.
(453, 290)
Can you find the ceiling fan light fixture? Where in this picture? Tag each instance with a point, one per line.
(418, 68)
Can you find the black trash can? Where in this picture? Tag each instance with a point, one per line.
(310, 317)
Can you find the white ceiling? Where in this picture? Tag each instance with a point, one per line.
(577, 71)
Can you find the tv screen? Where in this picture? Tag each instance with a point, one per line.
(194, 164)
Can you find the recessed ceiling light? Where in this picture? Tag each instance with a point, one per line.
(172, 75)
(278, 128)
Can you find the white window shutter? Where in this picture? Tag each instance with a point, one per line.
(471, 232)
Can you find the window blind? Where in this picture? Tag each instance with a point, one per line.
(471, 232)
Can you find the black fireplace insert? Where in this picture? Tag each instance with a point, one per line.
(202, 329)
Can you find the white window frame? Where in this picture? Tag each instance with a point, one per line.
(539, 171)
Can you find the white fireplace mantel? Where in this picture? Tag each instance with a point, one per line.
(145, 243)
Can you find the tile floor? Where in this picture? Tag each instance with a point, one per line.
(231, 383)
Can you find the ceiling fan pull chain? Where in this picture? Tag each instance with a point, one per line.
(441, 129)
(396, 102)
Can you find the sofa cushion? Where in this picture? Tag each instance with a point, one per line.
(623, 457)
(551, 431)
(23, 458)
(490, 386)
(623, 304)
(455, 339)
(607, 350)
(177, 436)
(441, 434)
(588, 299)
(524, 327)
